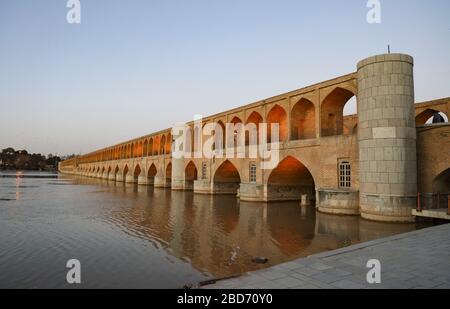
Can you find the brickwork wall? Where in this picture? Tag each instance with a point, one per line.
(433, 154)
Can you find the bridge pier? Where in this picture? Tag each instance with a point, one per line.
(338, 202)
(112, 177)
(188, 185)
(119, 177)
(130, 179)
(202, 187)
(160, 182)
(143, 180)
(251, 192)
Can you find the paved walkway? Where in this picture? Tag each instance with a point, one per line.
(420, 259)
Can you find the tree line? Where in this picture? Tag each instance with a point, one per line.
(11, 159)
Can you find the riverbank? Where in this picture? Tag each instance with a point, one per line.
(418, 259)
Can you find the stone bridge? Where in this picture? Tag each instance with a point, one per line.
(371, 164)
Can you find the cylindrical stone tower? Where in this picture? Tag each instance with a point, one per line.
(387, 138)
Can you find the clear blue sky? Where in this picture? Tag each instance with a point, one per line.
(133, 67)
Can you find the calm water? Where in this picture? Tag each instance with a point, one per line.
(139, 237)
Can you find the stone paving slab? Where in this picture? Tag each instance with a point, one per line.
(415, 260)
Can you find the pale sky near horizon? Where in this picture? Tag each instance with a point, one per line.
(134, 67)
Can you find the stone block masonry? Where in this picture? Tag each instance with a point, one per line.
(387, 139)
(419, 259)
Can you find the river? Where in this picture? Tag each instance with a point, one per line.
(129, 236)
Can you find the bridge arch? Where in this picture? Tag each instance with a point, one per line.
(332, 111)
(156, 142)
(150, 147)
(427, 115)
(139, 149)
(125, 173)
(169, 144)
(162, 150)
(136, 173)
(189, 141)
(441, 183)
(289, 181)
(145, 149)
(303, 120)
(226, 179)
(234, 139)
(277, 115)
(169, 175)
(219, 136)
(151, 174)
(256, 119)
(190, 175)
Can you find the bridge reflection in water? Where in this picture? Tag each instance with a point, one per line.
(220, 235)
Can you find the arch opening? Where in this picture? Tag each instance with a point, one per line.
(198, 140)
(163, 145)
(139, 151)
(150, 147)
(169, 144)
(151, 174)
(332, 111)
(190, 175)
(219, 137)
(125, 173)
(235, 134)
(252, 138)
(169, 175)
(188, 141)
(441, 184)
(431, 116)
(303, 120)
(289, 181)
(145, 149)
(156, 146)
(226, 179)
(137, 173)
(277, 115)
